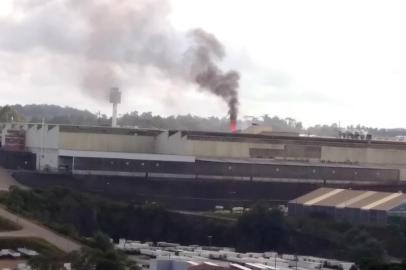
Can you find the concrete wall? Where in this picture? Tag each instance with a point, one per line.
(42, 136)
(364, 155)
(388, 156)
(344, 154)
(106, 142)
(44, 142)
(172, 144)
(47, 159)
(227, 149)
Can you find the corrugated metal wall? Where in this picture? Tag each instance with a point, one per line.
(217, 168)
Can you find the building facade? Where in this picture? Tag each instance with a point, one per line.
(89, 149)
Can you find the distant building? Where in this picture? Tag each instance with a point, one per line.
(355, 206)
(172, 256)
(244, 262)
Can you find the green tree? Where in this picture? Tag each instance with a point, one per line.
(8, 114)
(47, 262)
(101, 255)
(363, 248)
(261, 229)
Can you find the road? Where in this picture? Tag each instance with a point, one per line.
(31, 229)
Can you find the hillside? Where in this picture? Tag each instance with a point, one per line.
(68, 115)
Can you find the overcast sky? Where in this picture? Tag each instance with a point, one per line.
(316, 61)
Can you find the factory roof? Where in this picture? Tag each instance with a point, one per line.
(346, 198)
(122, 155)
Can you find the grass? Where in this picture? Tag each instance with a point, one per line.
(8, 225)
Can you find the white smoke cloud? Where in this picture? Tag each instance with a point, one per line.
(108, 36)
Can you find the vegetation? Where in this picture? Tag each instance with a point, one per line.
(80, 215)
(98, 255)
(67, 115)
(365, 265)
(9, 114)
(77, 214)
(37, 244)
(8, 225)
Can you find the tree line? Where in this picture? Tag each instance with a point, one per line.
(68, 115)
(80, 215)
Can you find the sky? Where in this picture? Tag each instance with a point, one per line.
(319, 62)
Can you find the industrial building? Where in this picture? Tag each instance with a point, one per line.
(355, 206)
(257, 154)
(185, 154)
(174, 256)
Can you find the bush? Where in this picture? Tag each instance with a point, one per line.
(8, 225)
(79, 215)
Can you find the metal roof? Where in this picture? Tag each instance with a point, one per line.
(346, 198)
(122, 155)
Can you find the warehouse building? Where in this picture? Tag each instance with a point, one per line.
(355, 206)
(243, 156)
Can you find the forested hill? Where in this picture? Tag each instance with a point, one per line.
(53, 113)
(68, 115)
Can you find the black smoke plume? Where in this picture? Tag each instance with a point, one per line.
(207, 51)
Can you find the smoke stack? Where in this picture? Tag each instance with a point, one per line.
(115, 99)
(233, 125)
